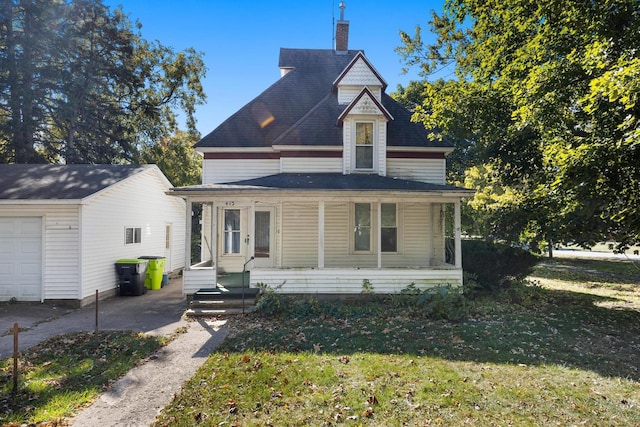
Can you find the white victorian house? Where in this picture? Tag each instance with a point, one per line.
(321, 182)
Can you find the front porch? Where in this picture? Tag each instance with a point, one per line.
(326, 242)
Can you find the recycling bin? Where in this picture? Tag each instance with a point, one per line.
(155, 270)
(131, 276)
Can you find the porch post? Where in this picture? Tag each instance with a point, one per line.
(252, 230)
(457, 233)
(214, 236)
(321, 234)
(379, 237)
(187, 242)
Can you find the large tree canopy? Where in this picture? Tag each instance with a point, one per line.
(545, 111)
(79, 84)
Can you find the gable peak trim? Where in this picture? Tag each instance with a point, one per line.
(354, 61)
(365, 92)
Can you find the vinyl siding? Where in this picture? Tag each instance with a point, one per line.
(216, 171)
(62, 254)
(336, 234)
(311, 164)
(139, 201)
(299, 235)
(346, 94)
(349, 280)
(424, 170)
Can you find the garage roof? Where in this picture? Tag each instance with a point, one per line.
(60, 182)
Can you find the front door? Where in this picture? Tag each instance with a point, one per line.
(263, 237)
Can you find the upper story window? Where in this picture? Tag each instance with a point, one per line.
(364, 155)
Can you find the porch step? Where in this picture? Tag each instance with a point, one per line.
(201, 312)
(222, 301)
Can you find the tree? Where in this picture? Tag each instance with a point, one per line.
(176, 158)
(544, 108)
(79, 84)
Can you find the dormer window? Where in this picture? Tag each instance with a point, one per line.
(364, 154)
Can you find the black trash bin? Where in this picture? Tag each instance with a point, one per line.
(131, 275)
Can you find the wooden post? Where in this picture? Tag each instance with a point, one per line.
(15, 357)
(96, 331)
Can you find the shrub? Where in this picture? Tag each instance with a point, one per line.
(439, 303)
(493, 266)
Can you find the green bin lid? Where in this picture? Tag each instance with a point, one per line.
(131, 261)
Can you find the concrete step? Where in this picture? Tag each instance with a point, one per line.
(205, 312)
(215, 293)
(222, 303)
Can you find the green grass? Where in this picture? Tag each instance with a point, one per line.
(533, 355)
(61, 375)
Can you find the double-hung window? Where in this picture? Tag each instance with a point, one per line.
(364, 152)
(232, 231)
(389, 228)
(364, 221)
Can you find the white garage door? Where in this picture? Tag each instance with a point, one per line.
(20, 258)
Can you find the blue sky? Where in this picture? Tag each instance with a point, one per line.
(240, 39)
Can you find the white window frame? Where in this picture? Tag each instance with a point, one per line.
(355, 228)
(396, 227)
(132, 235)
(225, 231)
(373, 146)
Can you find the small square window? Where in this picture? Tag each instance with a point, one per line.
(132, 235)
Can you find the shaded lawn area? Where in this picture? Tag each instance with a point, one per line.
(65, 373)
(536, 356)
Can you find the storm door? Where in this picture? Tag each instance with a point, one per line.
(263, 238)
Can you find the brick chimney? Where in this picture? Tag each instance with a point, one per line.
(342, 31)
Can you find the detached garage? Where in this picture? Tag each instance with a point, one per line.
(62, 228)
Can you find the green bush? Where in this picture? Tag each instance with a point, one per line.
(439, 303)
(494, 266)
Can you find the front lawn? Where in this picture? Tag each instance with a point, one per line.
(555, 353)
(65, 373)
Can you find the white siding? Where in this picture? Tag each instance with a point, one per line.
(413, 237)
(216, 171)
(347, 149)
(382, 147)
(346, 94)
(299, 235)
(311, 164)
(60, 276)
(336, 234)
(424, 170)
(139, 201)
(349, 280)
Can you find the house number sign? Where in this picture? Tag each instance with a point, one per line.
(229, 203)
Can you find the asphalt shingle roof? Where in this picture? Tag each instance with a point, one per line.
(60, 182)
(325, 181)
(302, 108)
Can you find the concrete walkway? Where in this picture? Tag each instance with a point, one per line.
(135, 399)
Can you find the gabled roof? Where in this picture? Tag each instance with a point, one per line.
(286, 101)
(360, 57)
(367, 96)
(302, 108)
(61, 182)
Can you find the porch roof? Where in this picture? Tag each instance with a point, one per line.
(324, 182)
